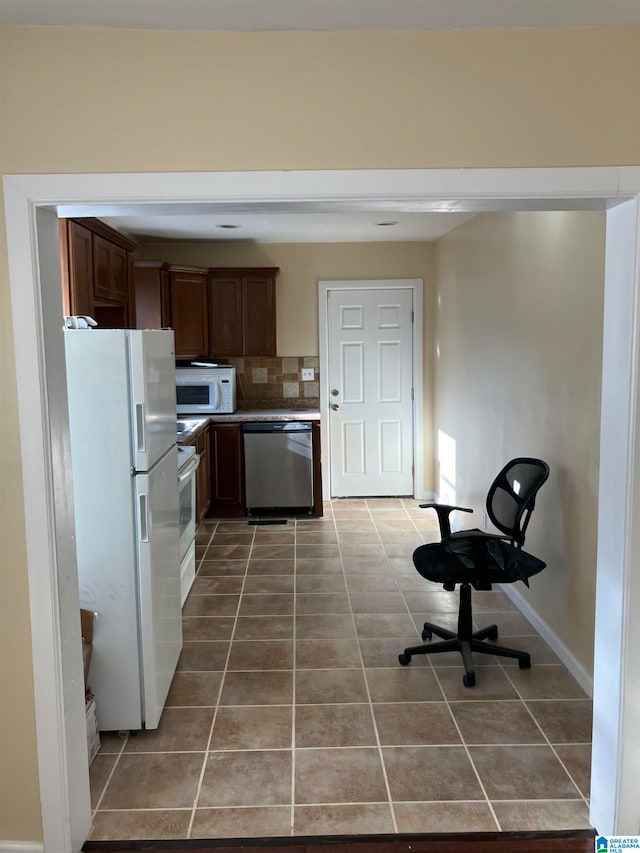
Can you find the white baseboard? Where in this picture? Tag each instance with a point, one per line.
(577, 670)
(21, 847)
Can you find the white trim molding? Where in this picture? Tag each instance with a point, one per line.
(39, 358)
(581, 675)
(21, 847)
(616, 707)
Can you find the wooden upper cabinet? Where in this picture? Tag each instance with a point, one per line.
(96, 264)
(189, 311)
(77, 268)
(102, 284)
(120, 271)
(259, 297)
(151, 294)
(243, 312)
(110, 271)
(226, 333)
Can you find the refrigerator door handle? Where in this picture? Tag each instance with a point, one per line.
(140, 433)
(144, 518)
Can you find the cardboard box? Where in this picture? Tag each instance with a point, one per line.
(93, 733)
(86, 625)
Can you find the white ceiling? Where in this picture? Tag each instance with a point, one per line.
(338, 227)
(321, 14)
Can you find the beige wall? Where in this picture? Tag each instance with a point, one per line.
(519, 335)
(108, 100)
(74, 100)
(19, 794)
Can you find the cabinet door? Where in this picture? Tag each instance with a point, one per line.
(203, 475)
(259, 315)
(189, 314)
(226, 317)
(226, 466)
(120, 274)
(102, 268)
(151, 295)
(80, 250)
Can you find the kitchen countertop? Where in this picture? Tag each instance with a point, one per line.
(197, 423)
(243, 415)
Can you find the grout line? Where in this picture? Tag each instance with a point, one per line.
(215, 713)
(548, 742)
(371, 710)
(118, 755)
(471, 761)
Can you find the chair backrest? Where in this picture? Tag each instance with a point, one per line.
(511, 497)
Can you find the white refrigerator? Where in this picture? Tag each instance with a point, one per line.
(122, 419)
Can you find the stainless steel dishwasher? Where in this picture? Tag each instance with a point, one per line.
(278, 464)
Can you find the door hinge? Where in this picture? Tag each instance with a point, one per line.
(412, 393)
(413, 316)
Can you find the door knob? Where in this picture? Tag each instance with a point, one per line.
(334, 392)
(335, 407)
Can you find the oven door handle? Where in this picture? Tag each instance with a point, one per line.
(191, 467)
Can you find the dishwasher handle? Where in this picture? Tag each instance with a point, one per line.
(276, 426)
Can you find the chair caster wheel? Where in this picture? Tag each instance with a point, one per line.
(404, 659)
(493, 636)
(426, 634)
(469, 679)
(525, 663)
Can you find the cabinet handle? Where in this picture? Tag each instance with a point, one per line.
(335, 407)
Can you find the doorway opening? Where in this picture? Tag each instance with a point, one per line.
(32, 244)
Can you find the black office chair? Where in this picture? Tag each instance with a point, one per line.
(475, 558)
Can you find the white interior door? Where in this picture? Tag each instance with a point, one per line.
(370, 387)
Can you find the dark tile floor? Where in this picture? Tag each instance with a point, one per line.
(290, 715)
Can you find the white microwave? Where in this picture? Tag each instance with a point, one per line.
(205, 390)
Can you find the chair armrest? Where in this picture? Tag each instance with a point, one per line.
(443, 511)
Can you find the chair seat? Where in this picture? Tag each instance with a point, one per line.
(476, 558)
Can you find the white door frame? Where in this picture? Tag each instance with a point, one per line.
(37, 308)
(416, 287)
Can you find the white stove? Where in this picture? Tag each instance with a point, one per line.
(184, 456)
(188, 461)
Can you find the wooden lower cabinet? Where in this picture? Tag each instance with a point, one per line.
(227, 481)
(318, 509)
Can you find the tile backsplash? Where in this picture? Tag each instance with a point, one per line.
(276, 383)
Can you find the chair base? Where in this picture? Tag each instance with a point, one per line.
(464, 641)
